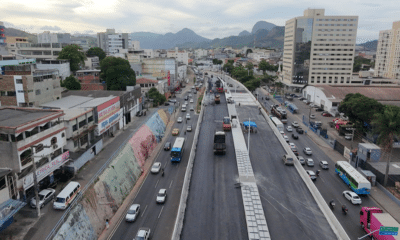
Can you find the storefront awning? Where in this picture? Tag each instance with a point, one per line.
(8, 209)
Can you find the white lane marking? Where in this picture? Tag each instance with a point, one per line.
(144, 210)
(156, 184)
(160, 212)
(171, 183)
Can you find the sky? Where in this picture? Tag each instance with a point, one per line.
(209, 19)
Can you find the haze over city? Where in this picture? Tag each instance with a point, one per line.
(210, 19)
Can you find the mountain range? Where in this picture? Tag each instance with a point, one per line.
(370, 45)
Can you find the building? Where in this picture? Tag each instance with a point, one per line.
(110, 41)
(388, 53)
(319, 49)
(90, 80)
(23, 85)
(40, 51)
(83, 43)
(62, 66)
(160, 68)
(2, 35)
(27, 135)
(146, 84)
(180, 56)
(92, 63)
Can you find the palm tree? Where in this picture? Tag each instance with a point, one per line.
(387, 125)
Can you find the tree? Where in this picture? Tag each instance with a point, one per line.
(360, 110)
(252, 85)
(231, 61)
(387, 125)
(71, 83)
(217, 62)
(265, 66)
(96, 51)
(358, 61)
(157, 97)
(117, 73)
(74, 54)
(248, 51)
(268, 78)
(249, 66)
(228, 67)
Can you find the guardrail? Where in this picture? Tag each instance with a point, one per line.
(185, 188)
(91, 181)
(330, 217)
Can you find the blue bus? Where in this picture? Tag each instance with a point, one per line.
(177, 149)
(357, 182)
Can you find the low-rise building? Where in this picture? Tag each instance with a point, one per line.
(40, 51)
(92, 63)
(62, 66)
(90, 80)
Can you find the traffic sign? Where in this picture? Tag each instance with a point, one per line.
(388, 230)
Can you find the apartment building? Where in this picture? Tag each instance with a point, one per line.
(110, 41)
(160, 68)
(388, 53)
(319, 49)
(180, 56)
(62, 66)
(48, 37)
(23, 85)
(40, 51)
(90, 80)
(2, 35)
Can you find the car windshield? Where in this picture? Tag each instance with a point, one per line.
(41, 197)
(161, 194)
(175, 154)
(131, 211)
(60, 200)
(139, 238)
(356, 197)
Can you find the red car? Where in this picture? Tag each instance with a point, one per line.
(325, 114)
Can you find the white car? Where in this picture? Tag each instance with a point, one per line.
(186, 103)
(156, 167)
(352, 197)
(282, 132)
(301, 160)
(191, 100)
(289, 129)
(307, 151)
(312, 116)
(45, 196)
(188, 116)
(295, 124)
(161, 196)
(286, 138)
(179, 119)
(310, 162)
(143, 234)
(292, 145)
(132, 213)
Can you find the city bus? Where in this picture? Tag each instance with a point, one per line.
(277, 123)
(357, 182)
(177, 149)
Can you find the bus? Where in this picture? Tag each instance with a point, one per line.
(278, 123)
(357, 182)
(219, 85)
(177, 149)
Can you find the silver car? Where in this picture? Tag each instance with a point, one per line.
(161, 196)
(45, 196)
(156, 167)
(132, 213)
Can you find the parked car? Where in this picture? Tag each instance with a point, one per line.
(132, 213)
(324, 165)
(299, 130)
(310, 162)
(311, 174)
(167, 146)
(307, 151)
(305, 101)
(348, 136)
(179, 120)
(286, 138)
(156, 167)
(289, 129)
(175, 132)
(326, 114)
(161, 196)
(301, 160)
(319, 109)
(312, 116)
(295, 124)
(143, 234)
(189, 128)
(282, 132)
(352, 197)
(166, 104)
(45, 196)
(301, 98)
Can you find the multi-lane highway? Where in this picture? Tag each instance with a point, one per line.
(328, 183)
(160, 218)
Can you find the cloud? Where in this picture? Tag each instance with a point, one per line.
(50, 28)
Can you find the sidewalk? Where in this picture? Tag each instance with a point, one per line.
(377, 194)
(27, 226)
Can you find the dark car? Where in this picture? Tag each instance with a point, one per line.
(319, 109)
(166, 104)
(299, 130)
(167, 146)
(326, 114)
(295, 136)
(139, 113)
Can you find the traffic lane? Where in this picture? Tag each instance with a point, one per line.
(290, 210)
(215, 207)
(151, 212)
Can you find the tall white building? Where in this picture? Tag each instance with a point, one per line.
(48, 37)
(180, 56)
(388, 53)
(110, 41)
(319, 49)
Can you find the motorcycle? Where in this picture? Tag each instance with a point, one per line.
(162, 173)
(332, 204)
(344, 209)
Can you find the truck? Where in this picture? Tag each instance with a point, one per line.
(217, 99)
(219, 86)
(197, 88)
(226, 124)
(373, 218)
(278, 114)
(219, 143)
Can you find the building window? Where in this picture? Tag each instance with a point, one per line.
(90, 119)
(82, 123)
(38, 92)
(75, 143)
(26, 157)
(39, 148)
(62, 135)
(18, 81)
(53, 141)
(74, 128)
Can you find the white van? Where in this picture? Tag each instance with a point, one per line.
(67, 195)
(183, 108)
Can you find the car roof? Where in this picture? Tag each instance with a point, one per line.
(45, 191)
(310, 159)
(310, 172)
(162, 190)
(134, 206)
(324, 162)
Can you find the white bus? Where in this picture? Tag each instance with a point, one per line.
(232, 111)
(67, 195)
(278, 123)
(357, 182)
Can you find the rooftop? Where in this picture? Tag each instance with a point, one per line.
(384, 93)
(14, 117)
(89, 70)
(93, 94)
(67, 102)
(145, 80)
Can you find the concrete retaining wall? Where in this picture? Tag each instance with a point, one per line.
(86, 157)
(102, 199)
